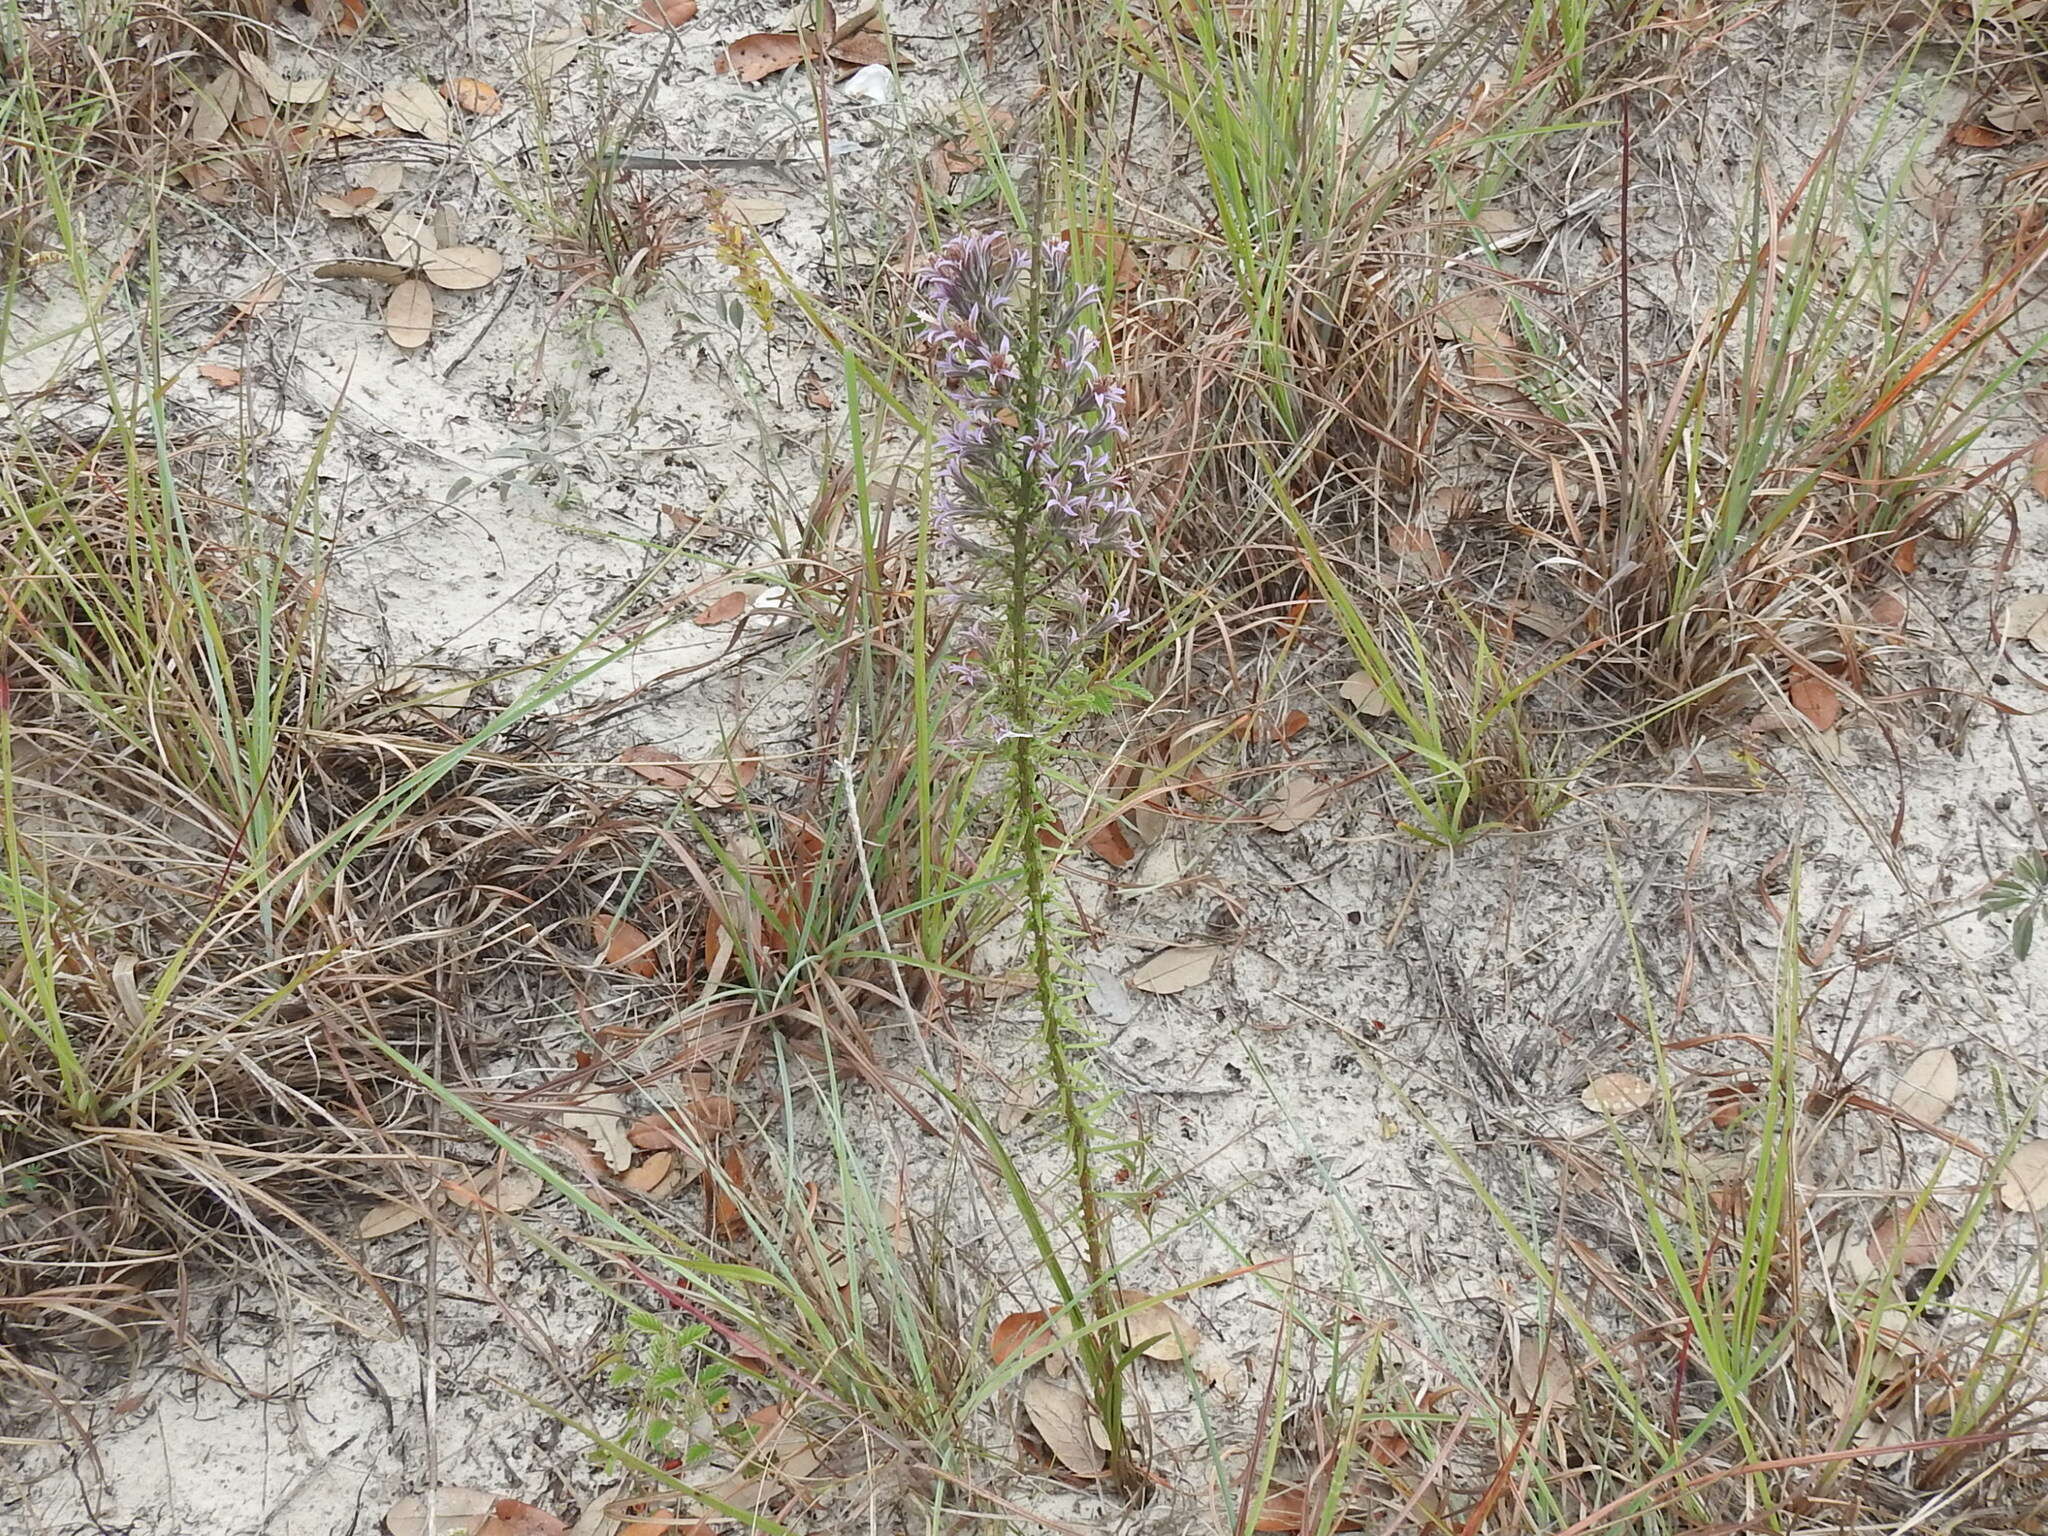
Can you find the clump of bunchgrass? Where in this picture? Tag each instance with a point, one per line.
(227, 884)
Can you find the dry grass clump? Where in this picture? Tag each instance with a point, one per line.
(86, 90)
(225, 885)
(1410, 344)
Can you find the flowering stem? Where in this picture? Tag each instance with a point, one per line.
(1031, 504)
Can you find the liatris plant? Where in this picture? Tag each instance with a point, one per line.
(1032, 503)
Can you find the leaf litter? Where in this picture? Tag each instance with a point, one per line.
(1064, 1421)
(1177, 969)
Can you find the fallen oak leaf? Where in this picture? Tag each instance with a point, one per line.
(1112, 844)
(509, 1517)
(1618, 1094)
(413, 106)
(555, 51)
(459, 268)
(1816, 699)
(443, 1511)
(214, 106)
(623, 945)
(726, 1215)
(1363, 694)
(728, 605)
(650, 1173)
(1906, 1238)
(1301, 800)
(1927, 1089)
(1026, 1331)
(479, 98)
(2026, 618)
(392, 272)
(409, 315)
(260, 298)
(710, 785)
(1161, 1331)
(408, 237)
(603, 1120)
(658, 15)
(758, 55)
(295, 93)
(866, 48)
(760, 212)
(1539, 1376)
(1979, 136)
(2024, 1186)
(1176, 969)
(1064, 1421)
(506, 1192)
(389, 1217)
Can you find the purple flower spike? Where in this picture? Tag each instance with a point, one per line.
(1026, 467)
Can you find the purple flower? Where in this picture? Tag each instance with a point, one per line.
(1026, 480)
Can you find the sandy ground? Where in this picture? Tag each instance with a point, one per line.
(490, 496)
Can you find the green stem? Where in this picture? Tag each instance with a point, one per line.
(1098, 1346)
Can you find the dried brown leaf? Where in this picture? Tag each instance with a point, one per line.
(215, 104)
(409, 314)
(413, 106)
(1539, 1377)
(1816, 699)
(260, 298)
(1112, 844)
(1887, 610)
(555, 51)
(1301, 800)
(1065, 1423)
(760, 212)
(509, 1517)
(1905, 1239)
(603, 1119)
(1618, 1094)
(659, 15)
(729, 604)
(761, 54)
(1028, 1332)
(2024, 1186)
(389, 1216)
(479, 98)
(727, 1215)
(1177, 969)
(1363, 694)
(865, 48)
(459, 268)
(711, 784)
(297, 93)
(1165, 1334)
(1927, 1088)
(650, 1172)
(442, 1511)
(1978, 136)
(393, 272)
(407, 236)
(507, 1193)
(624, 945)
(2026, 618)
